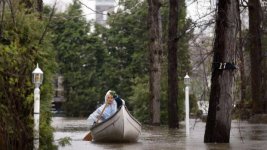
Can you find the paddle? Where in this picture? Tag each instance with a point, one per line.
(88, 136)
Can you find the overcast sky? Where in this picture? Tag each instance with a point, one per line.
(196, 9)
(63, 4)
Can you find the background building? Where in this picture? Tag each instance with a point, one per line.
(58, 99)
(103, 7)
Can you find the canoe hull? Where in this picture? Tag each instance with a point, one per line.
(121, 127)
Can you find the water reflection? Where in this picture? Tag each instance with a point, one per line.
(243, 136)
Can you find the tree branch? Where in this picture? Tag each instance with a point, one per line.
(49, 20)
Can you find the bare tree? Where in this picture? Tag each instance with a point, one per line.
(155, 58)
(221, 96)
(172, 65)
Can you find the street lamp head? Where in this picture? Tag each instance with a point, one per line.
(37, 76)
(187, 80)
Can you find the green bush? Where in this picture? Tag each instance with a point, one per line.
(20, 52)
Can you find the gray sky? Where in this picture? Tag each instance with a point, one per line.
(196, 9)
(63, 4)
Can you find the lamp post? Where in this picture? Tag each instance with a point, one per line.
(37, 79)
(187, 83)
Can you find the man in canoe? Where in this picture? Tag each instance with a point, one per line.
(106, 110)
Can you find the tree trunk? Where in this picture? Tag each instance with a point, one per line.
(242, 73)
(155, 58)
(172, 65)
(40, 8)
(243, 83)
(2, 10)
(255, 55)
(265, 84)
(264, 48)
(221, 97)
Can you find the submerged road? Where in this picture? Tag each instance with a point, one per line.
(244, 136)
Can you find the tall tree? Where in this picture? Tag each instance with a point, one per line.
(241, 65)
(20, 51)
(221, 97)
(155, 58)
(264, 48)
(172, 65)
(80, 57)
(256, 57)
(243, 83)
(126, 40)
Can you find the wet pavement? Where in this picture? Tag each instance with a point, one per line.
(244, 136)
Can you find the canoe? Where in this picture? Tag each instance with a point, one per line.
(121, 127)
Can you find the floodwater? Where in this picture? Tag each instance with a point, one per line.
(244, 136)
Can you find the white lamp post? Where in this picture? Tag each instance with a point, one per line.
(37, 79)
(187, 83)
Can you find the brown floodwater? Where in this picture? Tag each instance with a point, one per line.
(243, 136)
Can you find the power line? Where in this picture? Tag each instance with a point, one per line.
(90, 8)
